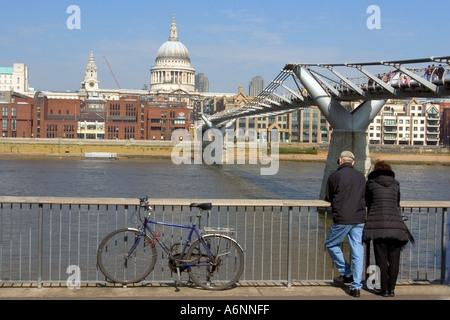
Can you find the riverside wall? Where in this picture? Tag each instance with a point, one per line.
(162, 149)
(78, 148)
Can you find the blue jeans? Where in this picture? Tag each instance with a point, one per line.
(336, 236)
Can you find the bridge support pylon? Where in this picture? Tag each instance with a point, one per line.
(345, 140)
(349, 126)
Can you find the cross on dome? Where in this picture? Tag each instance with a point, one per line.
(173, 30)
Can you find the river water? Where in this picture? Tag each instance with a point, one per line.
(160, 178)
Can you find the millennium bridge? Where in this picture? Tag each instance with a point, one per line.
(329, 85)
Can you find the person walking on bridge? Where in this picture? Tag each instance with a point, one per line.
(345, 190)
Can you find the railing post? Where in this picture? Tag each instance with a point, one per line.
(289, 249)
(125, 215)
(40, 247)
(367, 258)
(444, 246)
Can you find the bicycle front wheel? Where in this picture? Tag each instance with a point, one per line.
(223, 269)
(125, 256)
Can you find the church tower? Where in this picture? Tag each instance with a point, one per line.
(90, 81)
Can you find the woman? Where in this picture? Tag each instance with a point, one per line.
(384, 225)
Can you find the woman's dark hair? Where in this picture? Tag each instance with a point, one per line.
(381, 165)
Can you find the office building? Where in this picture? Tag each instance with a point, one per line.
(201, 83)
(14, 78)
(256, 86)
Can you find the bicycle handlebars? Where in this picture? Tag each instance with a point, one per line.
(143, 202)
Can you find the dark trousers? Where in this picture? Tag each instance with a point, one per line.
(387, 258)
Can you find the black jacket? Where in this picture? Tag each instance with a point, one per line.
(345, 191)
(384, 220)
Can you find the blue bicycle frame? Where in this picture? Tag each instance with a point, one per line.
(192, 229)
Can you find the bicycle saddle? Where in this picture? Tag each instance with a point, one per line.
(202, 206)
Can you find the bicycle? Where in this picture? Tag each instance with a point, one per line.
(213, 261)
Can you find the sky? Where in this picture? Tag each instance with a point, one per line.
(229, 41)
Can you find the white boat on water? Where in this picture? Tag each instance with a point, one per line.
(100, 155)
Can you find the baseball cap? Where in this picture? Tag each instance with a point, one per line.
(347, 154)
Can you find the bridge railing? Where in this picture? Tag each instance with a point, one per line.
(42, 239)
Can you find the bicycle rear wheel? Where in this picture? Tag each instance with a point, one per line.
(224, 271)
(126, 257)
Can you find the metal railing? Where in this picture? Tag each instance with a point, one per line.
(41, 239)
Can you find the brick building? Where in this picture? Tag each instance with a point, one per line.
(17, 115)
(444, 109)
(132, 117)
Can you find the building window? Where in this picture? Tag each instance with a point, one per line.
(52, 130)
(4, 112)
(113, 129)
(113, 132)
(129, 132)
(389, 122)
(114, 109)
(130, 110)
(68, 128)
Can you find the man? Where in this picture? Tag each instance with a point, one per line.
(345, 190)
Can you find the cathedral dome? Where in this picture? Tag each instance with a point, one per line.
(172, 70)
(173, 48)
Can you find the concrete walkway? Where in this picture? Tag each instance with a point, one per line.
(242, 302)
(311, 291)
